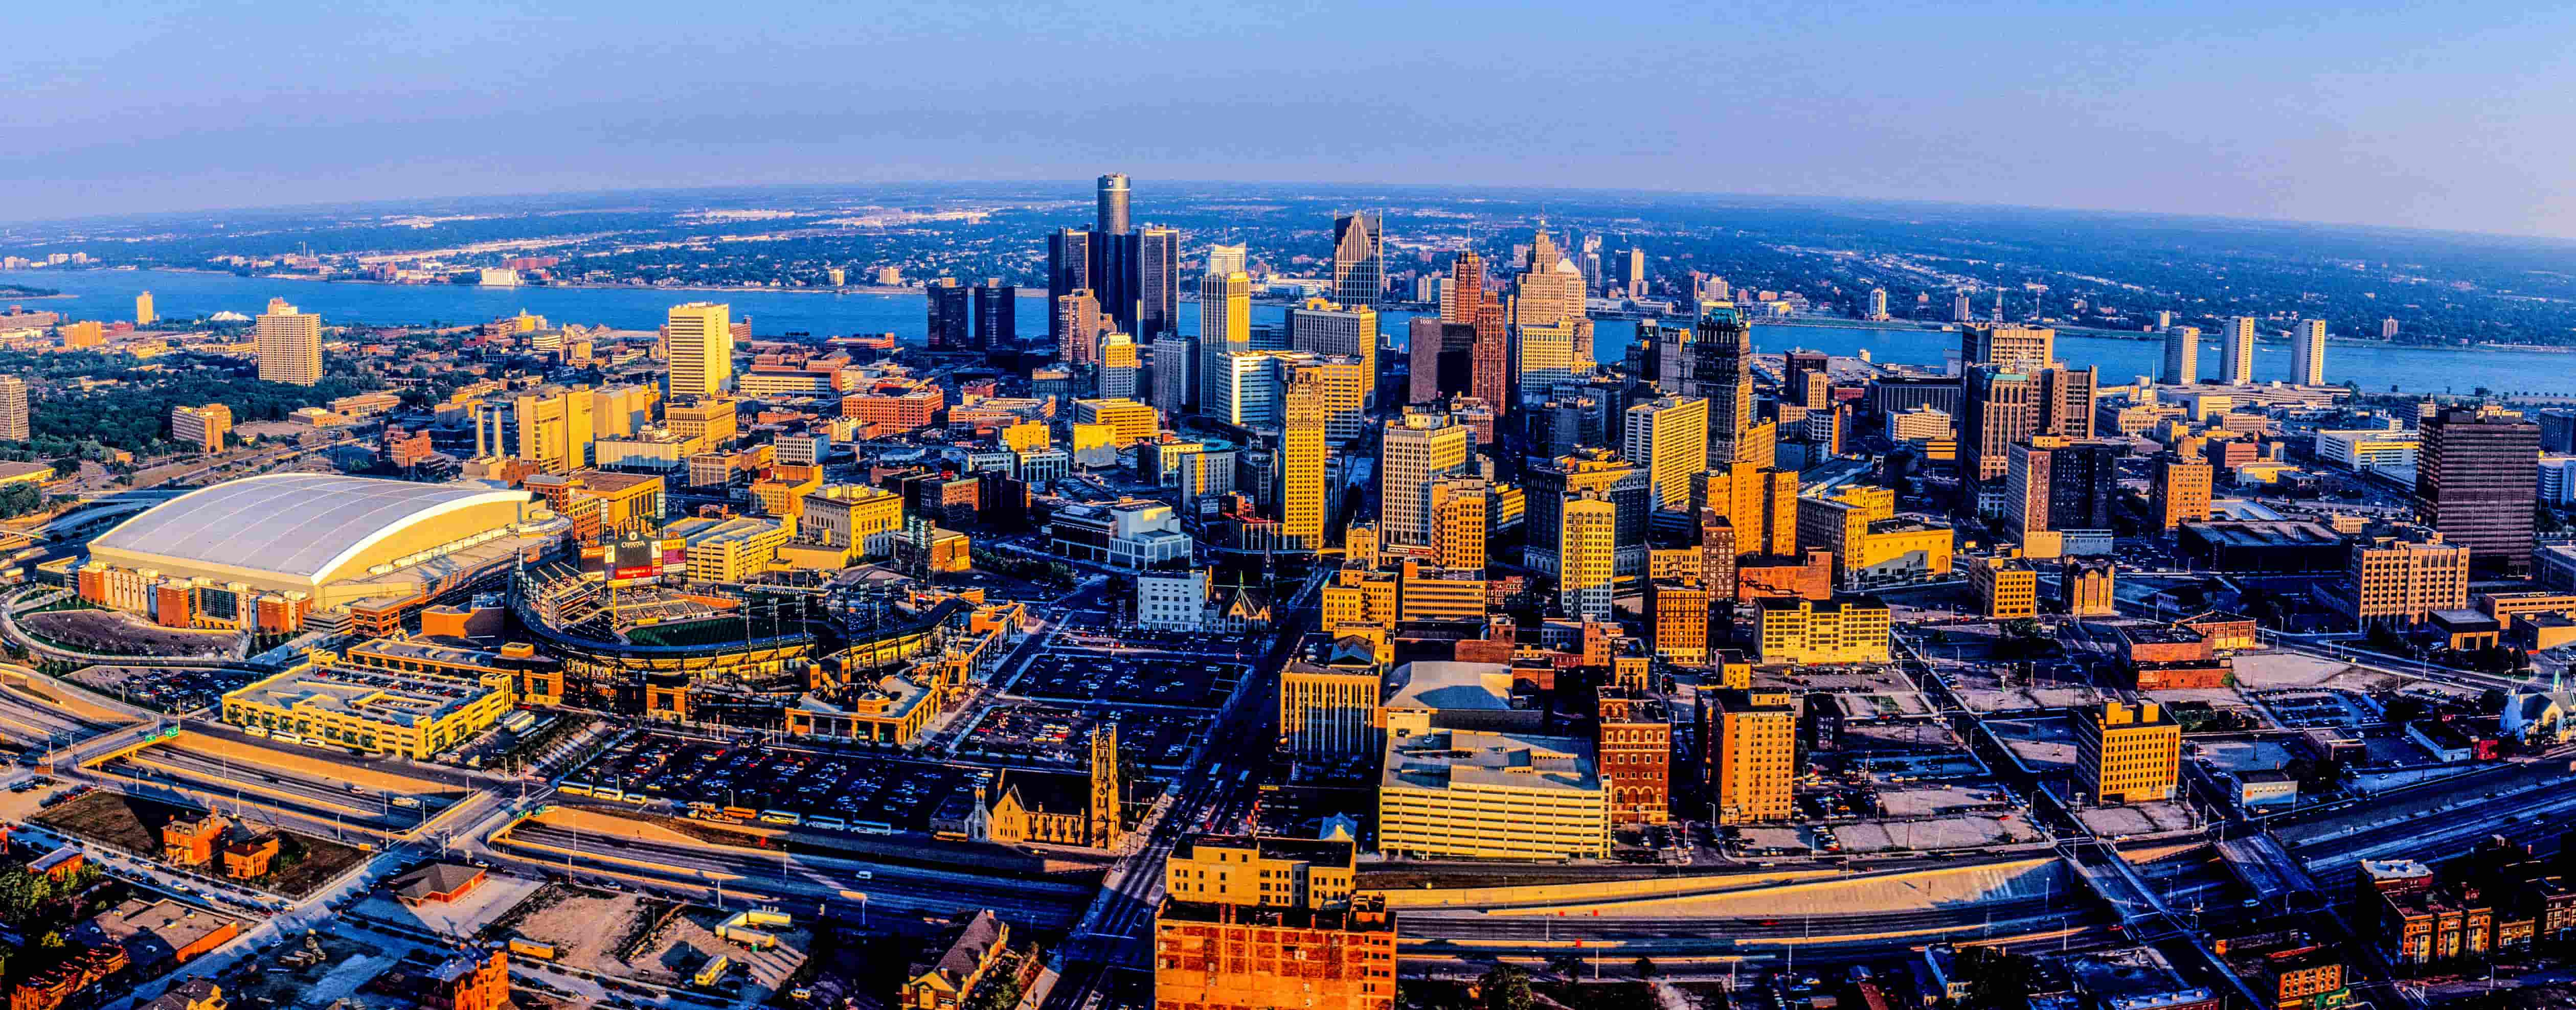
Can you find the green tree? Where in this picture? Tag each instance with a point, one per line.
(1506, 987)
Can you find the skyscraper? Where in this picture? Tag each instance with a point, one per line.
(950, 324)
(1225, 325)
(1466, 291)
(1603, 473)
(1301, 460)
(1722, 374)
(1461, 513)
(1359, 258)
(289, 345)
(1158, 282)
(997, 314)
(2015, 348)
(2182, 355)
(2180, 492)
(1752, 753)
(1440, 360)
(1113, 204)
(2000, 407)
(2388, 329)
(143, 313)
(13, 408)
(1327, 328)
(1176, 366)
(1077, 326)
(701, 343)
(1068, 270)
(1960, 309)
(1418, 448)
(2477, 479)
(2236, 356)
(1877, 304)
(1669, 437)
(1227, 259)
(1586, 550)
(2308, 353)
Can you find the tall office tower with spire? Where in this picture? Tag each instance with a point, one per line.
(2476, 482)
(2236, 356)
(1669, 437)
(143, 312)
(701, 342)
(1225, 326)
(1417, 449)
(1158, 281)
(1587, 552)
(1301, 459)
(1359, 258)
(2182, 355)
(1466, 291)
(2308, 353)
(1068, 271)
(1113, 204)
(13, 408)
(2018, 348)
(1227, 259)
(1721, 354)
(289, 345)
(1550, 289)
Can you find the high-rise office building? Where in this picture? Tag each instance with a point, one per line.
(2065, 402)
(1751, 738)
(2000, 406)
(1113, 204)
(1440, 359)
(2308, 353)
(289, 345)
(1324, 327)
(1461, 516)
(1601, 473)
(143, 312)
(2182, 355)
(1466, 290)
(2128, 754)
(1225, 325)
(1877, 307)
(2402, 575)
(2179, 492)
(1301, 460)
(1227, 259)
(1176, 365)
(1587, 556)
(1359, 258)
(1077, 325)
(1252, 922)
(2013, 348)
(1634, 275)
(1961, 309)
(1669, 437)
(1721, 372)
(1158, 281)
(2477, 480)
(950, 320)
(1068, 271)
(2236, 355)
(13, 408)
(997, 314)
(701, 348)
(2388, 329)
(1417, 449)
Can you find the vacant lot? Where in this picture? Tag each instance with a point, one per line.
(108, 633)
(132, 823)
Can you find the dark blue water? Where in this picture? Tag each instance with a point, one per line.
(106, 294)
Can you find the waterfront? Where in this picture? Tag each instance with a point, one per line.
(109, 294)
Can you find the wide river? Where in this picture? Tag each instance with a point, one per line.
(109, 294)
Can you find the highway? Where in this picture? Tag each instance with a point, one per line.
(1711, 934)
(1040, 903)
(325, 804)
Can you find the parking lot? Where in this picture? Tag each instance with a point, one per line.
(1082, 675)
(870, 794)
(164, 688)
(1040, 734)
(2321, 709)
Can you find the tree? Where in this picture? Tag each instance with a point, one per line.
(1506, 987)
(1645, 967)
(1565, 965)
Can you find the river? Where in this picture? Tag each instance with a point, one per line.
(109, 294)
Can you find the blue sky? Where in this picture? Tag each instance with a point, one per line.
(2458, 115)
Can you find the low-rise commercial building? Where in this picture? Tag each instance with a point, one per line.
(1470, 794)
(1834, 631)
(369, 711)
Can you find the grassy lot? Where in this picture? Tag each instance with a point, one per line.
(131, 823)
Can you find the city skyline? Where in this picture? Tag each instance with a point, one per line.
(2328, 142)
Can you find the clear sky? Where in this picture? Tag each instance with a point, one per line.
(2441, 115)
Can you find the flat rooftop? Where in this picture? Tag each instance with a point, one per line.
(1459, 758)
(374, 695)
(1446, 684)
